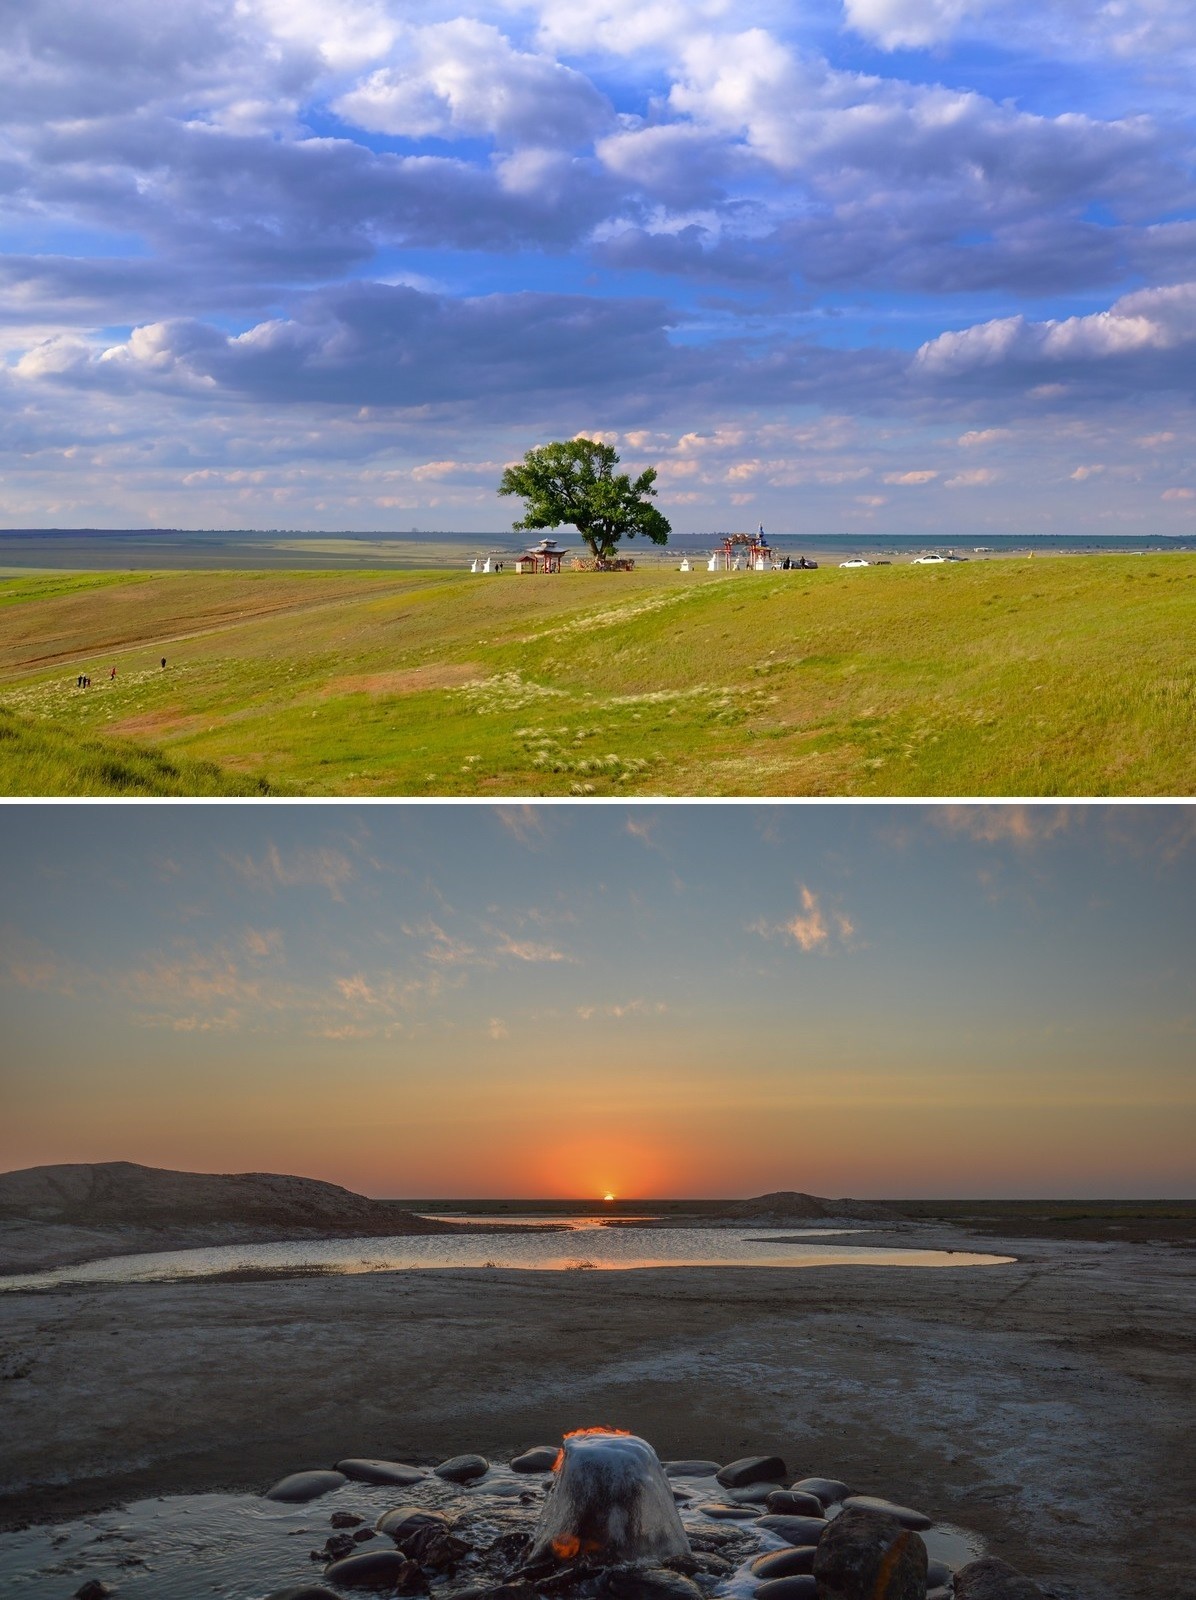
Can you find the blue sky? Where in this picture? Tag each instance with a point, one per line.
(651, 999)
(845, 266)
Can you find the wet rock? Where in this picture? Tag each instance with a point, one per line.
(726, 1513)
(336, 1546)
(404, 1520)
(394, 1472)
(829, 1490)
(361, 1535)
(304, 1591)
(756, 1494)
(434, 1548)
(689, 1469)
(906, 1517)
(648, 1583)
(802, 1586)
(785, 1563)
(540, 1458)
(345, 1519)
(794, 1530)
(942, 1593)
(94, 1589)
(866, 1555)
(509, 1491)
(938, 1575)
(462, 1469)
(793, 1503)
(378, 1569)
(993, 1579)
(509, 1548)
(751, 1469)
(508, 1591)
(300, 1486)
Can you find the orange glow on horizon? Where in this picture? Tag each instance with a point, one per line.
(608, 1196)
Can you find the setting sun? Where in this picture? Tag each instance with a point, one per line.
(608, 1197)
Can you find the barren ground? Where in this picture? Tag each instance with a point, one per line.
(1046, 1404)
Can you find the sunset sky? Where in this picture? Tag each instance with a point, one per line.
(652, 1000)
(843, 265)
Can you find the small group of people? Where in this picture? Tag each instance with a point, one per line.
(83, 681)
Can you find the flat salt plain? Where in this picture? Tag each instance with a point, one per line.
(1062, 676)
(1044, 1405)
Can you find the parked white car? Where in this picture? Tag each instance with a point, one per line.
(856, 561)
(928, 561)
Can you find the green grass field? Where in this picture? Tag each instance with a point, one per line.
(1069, 676)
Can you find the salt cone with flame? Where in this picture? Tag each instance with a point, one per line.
(610, 1501)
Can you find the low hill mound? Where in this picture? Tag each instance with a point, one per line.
(789, 1205)
(123, 1194)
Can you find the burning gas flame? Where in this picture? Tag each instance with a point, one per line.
(567, 1545)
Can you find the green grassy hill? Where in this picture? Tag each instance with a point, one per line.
(1067, 676)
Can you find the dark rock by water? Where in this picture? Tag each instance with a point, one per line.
(398, 1473)
(794, 1530)
(799, 1587)
(94, 1589)
(540, 1458)
(906, 1517)
(648, 1583)
(938, 1575)
(754, 1494)
(462, 1469)
(345, 1519)
(304, 1591)
(866, 1555)
(993, 1579)
(829, 1490)
(691, 1469)
(793, 1503)
(378, 1569)
(751, 1469)
(404, 1520)
(722, 1512)
(785, 1563)
(301, 1486)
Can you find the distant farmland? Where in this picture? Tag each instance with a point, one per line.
(1060, 677)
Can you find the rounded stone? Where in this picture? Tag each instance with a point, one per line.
(756, 1494)
(540, 1458)
(345, 1519)
(802, 1586)
(649, 1583)
(829, 1490)
(938, 1575)
(865, 1555)
(300, 1486)
(725, 1513)
(689, 1469)
(794, 1503)
(94, 1589)
(903, 1514)
(794, 1530)
(462, 1469)
(941, 1593)
(375, 1569)
(303, 1591)
(993, 1579)
(751, 1469)
(784, 1563)
(404, 1520)
(397, 1473)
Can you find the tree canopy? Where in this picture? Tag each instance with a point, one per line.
(573, 481)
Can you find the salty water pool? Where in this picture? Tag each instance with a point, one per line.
(243, 1546)
(549, 1248)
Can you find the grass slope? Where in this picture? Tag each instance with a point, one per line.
(1068, 677)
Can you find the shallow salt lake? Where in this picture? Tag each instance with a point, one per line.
(242, 1546)
(545, 1249)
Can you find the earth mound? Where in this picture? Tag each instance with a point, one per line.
(789, 1205)
(91, 1194)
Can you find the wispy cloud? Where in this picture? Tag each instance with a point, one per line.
(527, 824)
(1013, 824)
(496, 1028)
(532, 950)
(618, 1011)
(323, 867)
(811, 927)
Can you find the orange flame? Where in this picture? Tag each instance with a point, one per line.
(567, 1545)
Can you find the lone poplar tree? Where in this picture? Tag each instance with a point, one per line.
(573, 481)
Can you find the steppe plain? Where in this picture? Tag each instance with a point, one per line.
(1059, 677)
(1045, 1404)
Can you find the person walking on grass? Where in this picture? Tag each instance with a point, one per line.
(112, 676)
